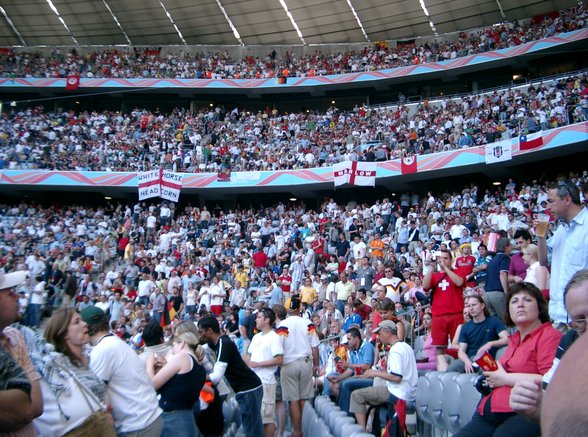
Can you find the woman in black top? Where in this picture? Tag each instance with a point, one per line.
(179, 381)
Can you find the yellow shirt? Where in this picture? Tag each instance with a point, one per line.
(308, 295)
(243, 278)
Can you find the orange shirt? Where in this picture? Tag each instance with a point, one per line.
(377, 248)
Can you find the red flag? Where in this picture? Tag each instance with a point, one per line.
(531, 141)
(408, 165)
(72, 83)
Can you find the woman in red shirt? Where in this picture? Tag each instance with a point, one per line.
(529, 354)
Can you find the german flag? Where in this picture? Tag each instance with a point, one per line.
(169, 314)
(282, 330)
(311, 329)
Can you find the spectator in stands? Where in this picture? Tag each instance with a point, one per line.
(481, 265)
(386, 310)
(526, 396)
(497, 277)
(178, 379)
(536, 274)
(483, 333)
(562, 413)
(15, 361)
(245, 383)
(425, 355)
(400, 376)
(517, 267)
(447, 297)
(152, 336)
(129, 388)
(301, 360)
(18, 410)
(466, 262)
(529, 354)
(395, 287)
(264, 355)
(68, 334)
(361, 357)
(568, 246)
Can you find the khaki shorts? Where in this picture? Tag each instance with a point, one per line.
(268, 403)
(296, 380)
(362, 398)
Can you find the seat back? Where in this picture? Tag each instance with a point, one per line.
(308, 415)
(350, 428)
(334, 416)
(422, 400)
(319, 428)
(436, 381)
(470, 397)
(337, 430)
(326, 412)
(323, 405)
(452, 404)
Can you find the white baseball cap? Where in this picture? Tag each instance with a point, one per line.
(9, 280)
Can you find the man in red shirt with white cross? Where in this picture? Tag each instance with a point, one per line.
(446, 285)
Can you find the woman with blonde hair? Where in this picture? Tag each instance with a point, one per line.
(74, 397)
(209, 415)
(537, 274)
(178, 380)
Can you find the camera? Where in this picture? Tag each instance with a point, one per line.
(482, 386)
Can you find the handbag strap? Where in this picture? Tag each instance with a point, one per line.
(86, 392)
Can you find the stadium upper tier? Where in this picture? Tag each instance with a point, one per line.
(216, 139)
(182, 63)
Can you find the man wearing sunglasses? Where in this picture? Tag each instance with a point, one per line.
(568, 246)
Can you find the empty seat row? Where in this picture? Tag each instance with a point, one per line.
(338, 423)
(446, 400)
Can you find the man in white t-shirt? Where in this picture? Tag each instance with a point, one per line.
(301, 360)
(400, 375)
(264, 355)
(145, 288)
(129, 389)
(358, 247)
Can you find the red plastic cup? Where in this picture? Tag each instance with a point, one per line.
(486, 362)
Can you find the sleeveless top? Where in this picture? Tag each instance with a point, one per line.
(183, 389)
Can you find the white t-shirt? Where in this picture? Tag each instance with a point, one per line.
(401, 362)
(145, 287)
(37, 295)
(265, 347)
(298, 336)
(130, 390)
(217, 294)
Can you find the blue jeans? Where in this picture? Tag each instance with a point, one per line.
(347, 386)
(35, 314)
(327, 384)
(340, 305)
(179, 423)
(498, 425)
(250, 408)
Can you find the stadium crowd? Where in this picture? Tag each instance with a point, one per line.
(369, 275)
(149, 63)
(213, 139)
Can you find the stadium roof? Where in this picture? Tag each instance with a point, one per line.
(249, 22)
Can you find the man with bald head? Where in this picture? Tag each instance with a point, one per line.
(526, 396)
